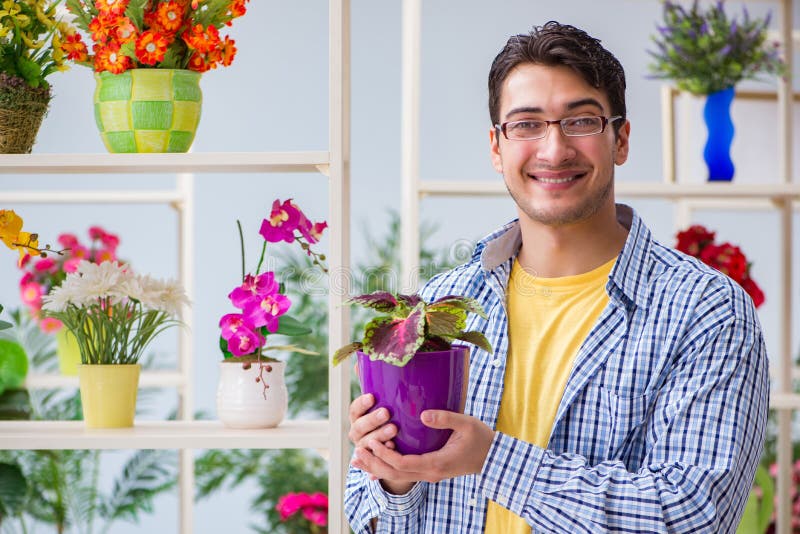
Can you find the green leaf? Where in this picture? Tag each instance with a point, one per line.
(15, 404)
(135, 12)
(445, 322)
(147, 473)
(477, 339)
(13, 364)
(30, 71)
(13, 489)
(223, 346)
(289, 326)
(463, 303)
(5, 325)
(343, 353)
(292, 348)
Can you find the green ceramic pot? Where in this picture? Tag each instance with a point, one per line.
(148, 110)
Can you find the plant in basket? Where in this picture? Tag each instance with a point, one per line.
(31, 34)
(114, 315)
(729, 259)
(252, 391)
(408, 361)
(148, 56)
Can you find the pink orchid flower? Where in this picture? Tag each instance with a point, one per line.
(254, 287)
(281, 223)
(264, 310)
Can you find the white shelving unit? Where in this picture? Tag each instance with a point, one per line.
(783, 196)
(187, 434)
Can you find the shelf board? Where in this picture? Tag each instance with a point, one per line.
(198, 162)
(630, 189)
(37, 435)
(92, 197)
(147, 379)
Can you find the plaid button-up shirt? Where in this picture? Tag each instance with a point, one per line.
(661, 424)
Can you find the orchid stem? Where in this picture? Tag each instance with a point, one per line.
(241, 244)
(261, 259)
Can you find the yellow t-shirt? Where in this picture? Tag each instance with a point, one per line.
(548, 320)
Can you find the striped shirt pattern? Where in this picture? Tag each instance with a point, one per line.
(661, 425)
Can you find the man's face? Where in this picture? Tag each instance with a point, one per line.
(557, 180)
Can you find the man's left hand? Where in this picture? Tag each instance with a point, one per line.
(463, 454)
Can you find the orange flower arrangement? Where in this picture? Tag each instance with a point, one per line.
(166, 34)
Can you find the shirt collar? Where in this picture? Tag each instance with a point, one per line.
(629, 277)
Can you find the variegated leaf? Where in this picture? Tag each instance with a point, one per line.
(463, 303)
(477, 339)
(382, 301)
(343, 353)
(395, 340)
(446, 322)
(409, 300)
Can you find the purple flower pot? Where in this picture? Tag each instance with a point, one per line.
(429, 381)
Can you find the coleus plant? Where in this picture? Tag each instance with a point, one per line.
(410, 325)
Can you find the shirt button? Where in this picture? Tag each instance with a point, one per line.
(472, 503)
(497, 363)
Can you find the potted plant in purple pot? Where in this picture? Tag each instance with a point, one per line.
(408, 361)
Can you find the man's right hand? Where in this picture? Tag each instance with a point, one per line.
(365, 427)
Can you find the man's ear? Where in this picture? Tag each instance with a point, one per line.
(622, 145)
(494, 149)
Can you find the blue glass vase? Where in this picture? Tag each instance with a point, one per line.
(717, 153)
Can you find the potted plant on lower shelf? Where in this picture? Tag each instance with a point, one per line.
(408, 361)
(114, 314)
(252, 391)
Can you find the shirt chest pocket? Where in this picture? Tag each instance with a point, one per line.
(620, 421)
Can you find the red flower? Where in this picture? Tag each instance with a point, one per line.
(697, 241)
(727, 259)
(753, 290)
(693, 240)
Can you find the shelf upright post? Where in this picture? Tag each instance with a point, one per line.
(785, 132)
(185, 186)
(409, 147)
(339, 256)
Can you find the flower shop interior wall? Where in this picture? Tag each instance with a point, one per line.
(274, 97)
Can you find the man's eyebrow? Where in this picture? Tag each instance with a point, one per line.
(572, 105)
(585, 102)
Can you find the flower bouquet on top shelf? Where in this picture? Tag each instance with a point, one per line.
(114, 315)
(31, 34)
(707, 53)
(252, 392)
(408, 360)
(304, 512)
(698, 241)
(42, 275)
(148, 56)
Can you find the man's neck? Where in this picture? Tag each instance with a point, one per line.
(567, 250)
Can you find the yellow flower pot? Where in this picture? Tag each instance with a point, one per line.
(108, 394)
(68, 352)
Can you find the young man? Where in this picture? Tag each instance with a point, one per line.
(628, 388)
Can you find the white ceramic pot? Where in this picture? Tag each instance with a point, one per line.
(251, 395)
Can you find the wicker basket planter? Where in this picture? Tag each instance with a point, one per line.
(22, 109)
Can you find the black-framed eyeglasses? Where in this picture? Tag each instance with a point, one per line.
(528, 129)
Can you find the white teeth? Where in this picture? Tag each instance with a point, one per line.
(555, 180)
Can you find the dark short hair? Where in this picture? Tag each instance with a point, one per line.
(559, 44)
